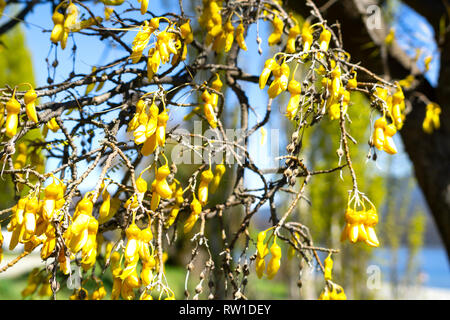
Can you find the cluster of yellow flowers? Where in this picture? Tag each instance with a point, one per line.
(209, 182)
(394, 106)
(280, 73)
(262, 251)
(37, 279)
(31, 220)
(137, 247)
(177, 191)
(221, 35)
(280, 70)
(382, 136)
(126, 278)
(13, 107)
(332, 291)
(63, 23)
(305, 33)
(149, 126)
(210, 102)
(278, 28)
(360, 224)
(196, 210)
(81, 235)
(167, 43)
(338, 93)
(431, 121)
(294, 32)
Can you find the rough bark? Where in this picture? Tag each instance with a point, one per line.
(430, 154)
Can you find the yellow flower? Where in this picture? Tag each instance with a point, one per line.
(30, 213)
(229, 35)
(328, 266)
(12, 116)
(162, 187)
(206, 177)
(360, 225)
(34, 279)
(378, 134)
(280, 82)
(186, 32)
(51, 193)
(240, 39)
(307, 38)
(172, 216)
(269, 66)
(337, 293)
(208, 108)
(352, 83)
(144, 6)
(53, 125)
(260, 266)
(155, 197)
(71, 16)
(105, 208)
(131, 253)
(218, 174)
(294, 32)
(431, 121)
(295, 89)
(427, 62)
(196, 209)
(390, 37)
(58, 28)
(389, 145)
(369, 223)
(274, 263)
(89, 249)
(324, 41)
(30, 107)
(163, 117)
(275, 36)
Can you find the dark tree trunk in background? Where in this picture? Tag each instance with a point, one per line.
(430, 154)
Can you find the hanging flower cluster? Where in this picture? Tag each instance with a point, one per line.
(431, 121)
(64, 23)
(167, 43)
(210, 102)
(37, 280)
(262, 250)
(360, 221)
(220, 35)
(149, 126)
(31, 219)
(332, 291)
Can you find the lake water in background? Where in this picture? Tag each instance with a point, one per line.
(432, 264)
